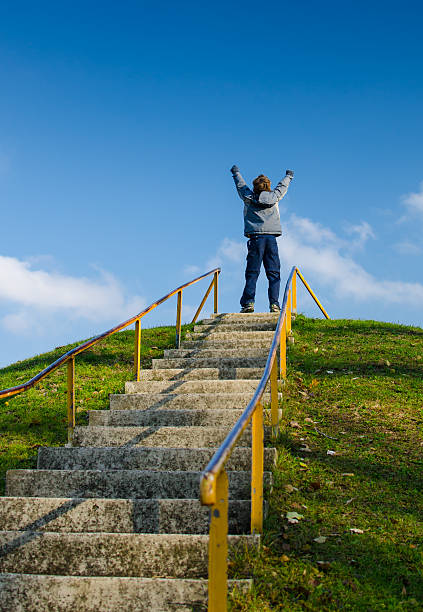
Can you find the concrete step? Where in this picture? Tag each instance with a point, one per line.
(164, 418)
(238, 316)
(242, 326)
(182, 401)
(208, 367)
(109, 554)
(193, 386)
(222, 353)
(231, 335)
(46, 593)
(78, 515)
(160, 459)
(118, 484)
(209, 342)
(170, 437)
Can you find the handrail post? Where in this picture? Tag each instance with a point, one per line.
(294, 292)
(274, 403)
(137, 350)
(288, 314)
(257, 452)
(218, 547)
(178, 319)
(216, 284)
(203, 301)
(283, 350)
(70, 399)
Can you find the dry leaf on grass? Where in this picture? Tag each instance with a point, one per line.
(320, 540)
(294, 517)
(355, 530)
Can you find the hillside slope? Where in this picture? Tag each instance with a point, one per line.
(38, 417)
(350, 464)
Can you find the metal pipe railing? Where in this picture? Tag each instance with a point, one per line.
(214, 479)
(69, 357)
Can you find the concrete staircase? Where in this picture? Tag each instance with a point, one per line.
(114, 521)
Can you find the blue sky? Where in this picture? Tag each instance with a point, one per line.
(118, 126)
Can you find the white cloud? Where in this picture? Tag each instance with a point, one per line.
(326, 259)
(363, 231)
(192, 270)
(313, 232)
(229, 250)
(33, 293)
(414, 201)
(337, 270)
(407, 248)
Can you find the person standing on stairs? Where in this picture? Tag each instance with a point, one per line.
(262, 225)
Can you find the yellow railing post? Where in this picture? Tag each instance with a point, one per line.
(294, 293)
(178, 320)
(257, 452)
(283, 350)
(203, 301)
(288, 314)
(218, 547)
(216, 284)
(274, 400)
(70, 400)
(137, 349)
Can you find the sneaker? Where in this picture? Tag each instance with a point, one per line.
(248, 307)
(274, 308)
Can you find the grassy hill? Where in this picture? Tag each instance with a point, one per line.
(38, 417)
(350, 465)
(350, 460)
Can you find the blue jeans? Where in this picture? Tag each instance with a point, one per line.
(262, 248)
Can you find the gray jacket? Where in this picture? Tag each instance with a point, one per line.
(261, 214)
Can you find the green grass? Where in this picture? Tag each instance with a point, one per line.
(38, 417)
(359, 382)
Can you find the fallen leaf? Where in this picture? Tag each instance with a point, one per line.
(308, 420)
(388, 363)
(315, 485)
(349, 500)
(294, 517)
(348, 474)
(320, 540)
(290, 489)
(355, 530)
(284, 558)
(329, 371)
(304, 465)
(355, 378)
(315, 350)
(331, 452)
(305, 449)
(314, 382)
(294, 424)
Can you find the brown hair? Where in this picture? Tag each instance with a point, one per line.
(261, 183)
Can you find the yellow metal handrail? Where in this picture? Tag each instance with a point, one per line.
(214, 480)
(69, 357)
